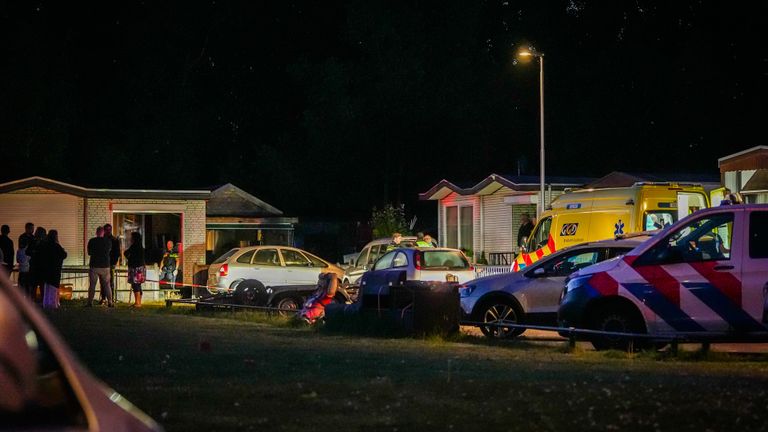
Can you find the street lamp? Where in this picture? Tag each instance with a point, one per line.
(526, 53)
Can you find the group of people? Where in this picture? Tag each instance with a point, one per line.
(40, 258)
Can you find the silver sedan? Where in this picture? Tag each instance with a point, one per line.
(532, 296)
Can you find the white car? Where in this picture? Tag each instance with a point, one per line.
(269, 265)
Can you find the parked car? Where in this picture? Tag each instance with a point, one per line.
(368, 256)
(269, 265)
(43, 386)
(532, 295)
(418, 264)
(704, 277)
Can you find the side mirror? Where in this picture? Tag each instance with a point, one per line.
(539, 271)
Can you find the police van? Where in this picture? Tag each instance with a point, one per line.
(704, 277)
(599, 214)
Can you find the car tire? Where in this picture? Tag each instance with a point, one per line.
(288, 302)
(620, 319)
(246, 292)
(499, 311)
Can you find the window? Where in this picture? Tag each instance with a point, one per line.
(226, 256)
(568, 263)
(362, 259)
(758, 234)
(376, 252)
(459, 227)
(614, 252)
(704, 239)
(444, 260)
(400, 260)
(294, 258)
(266, 257)
(540, 236)
(316, 262)
(385, 262)
(246, 257)
(656, 220)
(452, 227)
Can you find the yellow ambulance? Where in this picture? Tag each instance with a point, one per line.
(598, 214)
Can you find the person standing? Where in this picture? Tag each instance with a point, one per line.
(51, 259)
(23, 260)
(397, 238)
(98, 267)
(168, 265)
(6, 245)
(114, 257)
(137, 272)
(28, 235)
(35, 268)
(526, 227)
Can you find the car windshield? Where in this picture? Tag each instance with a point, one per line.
(226, 256)
(444, 260)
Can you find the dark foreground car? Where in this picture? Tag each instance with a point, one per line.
(42, 385)
(532, 295)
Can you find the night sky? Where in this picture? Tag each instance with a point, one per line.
(327, 108)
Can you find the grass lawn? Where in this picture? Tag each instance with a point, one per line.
(193, 372)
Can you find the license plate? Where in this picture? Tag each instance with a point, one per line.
(451, 278)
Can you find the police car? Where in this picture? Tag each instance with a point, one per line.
(704, 277)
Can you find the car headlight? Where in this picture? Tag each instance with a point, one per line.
(466, 290)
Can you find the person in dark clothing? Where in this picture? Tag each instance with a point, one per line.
(35, 268)
(169, 264)
(524, 232)
(6, 245)
(114, 258)
(50, 256)
(28, 236)
(98, 266)
(137, 273)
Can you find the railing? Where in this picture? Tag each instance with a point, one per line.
(487, 270)
(501, 258)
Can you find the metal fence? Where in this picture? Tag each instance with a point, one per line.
(487, 270)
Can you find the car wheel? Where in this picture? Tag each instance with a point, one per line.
(500, 312)
(620, 320)
(291, 303)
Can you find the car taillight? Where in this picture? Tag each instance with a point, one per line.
(417, 260)
(471, 267)
(223, 270)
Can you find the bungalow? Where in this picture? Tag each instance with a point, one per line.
(746, 172)
(485, 218)
(76, 212)
(235, 218)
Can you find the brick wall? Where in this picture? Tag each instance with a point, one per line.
(193, 225)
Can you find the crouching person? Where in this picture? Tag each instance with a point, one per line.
(314, 307)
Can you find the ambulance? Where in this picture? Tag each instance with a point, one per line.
(703, 278)
(599, 214)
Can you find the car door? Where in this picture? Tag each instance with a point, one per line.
(754, 267)
(377, 276)
(267, 267)
(548, 277)
(361, 266)
(299, 270)
(690, 279)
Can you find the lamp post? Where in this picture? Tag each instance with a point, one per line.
(528, 53)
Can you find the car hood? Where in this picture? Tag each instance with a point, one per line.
(498, 280)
